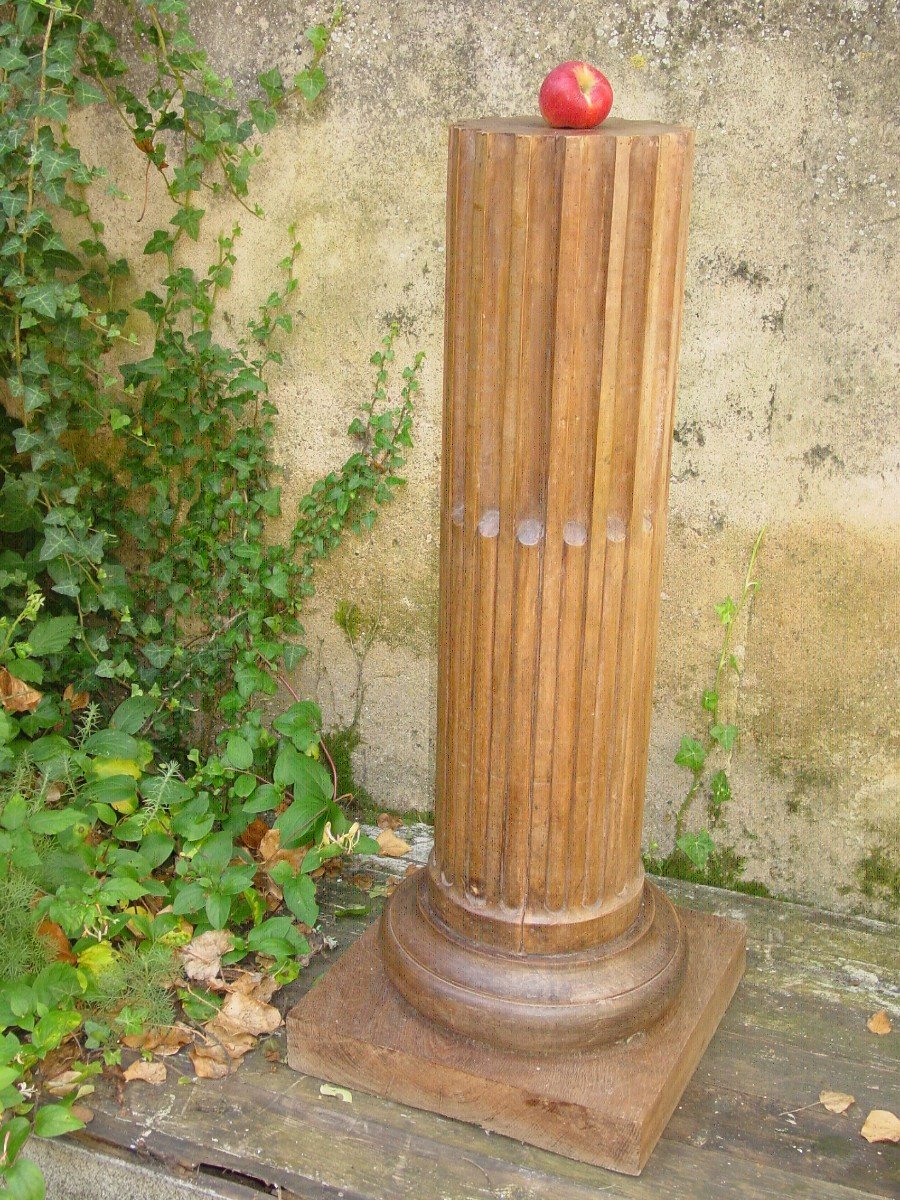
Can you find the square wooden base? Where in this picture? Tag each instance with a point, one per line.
(606, 1106)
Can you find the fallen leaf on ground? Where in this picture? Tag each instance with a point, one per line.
(254, 833)
(210, 1061)
(391, 845)
(77, 700)
(255, 984)
(234, 1043)
(389, 821)
(879, 1023)
(15, 694)
(328, 1089)
(149, 1072)
(63, 1084)
(881, 1126)
(242, 1013)
(271, 853)
(836, 1102)
(272, 1050)
(162, 1041)
(362, 881)
(202, 958)
(82, 1112)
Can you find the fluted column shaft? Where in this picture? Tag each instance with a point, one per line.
(565, 265)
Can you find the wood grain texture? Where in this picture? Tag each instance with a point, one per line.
(746, 1128)
(565, 265)
(564, 282)
(606, 1106)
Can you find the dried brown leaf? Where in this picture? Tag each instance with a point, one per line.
(149, 1072)
(241, 1013)
(210, 1060)
(82, 1112)
(63, 1084)
(881, 1126)
(59, 945)
(363, 881)
(76, 700)
(254, 833)
(202, 957)
(234, 1043)
(836, 1102)
(163, 1041)
(16, 695)
(255, 984)
(391, 845)
(879, 1023)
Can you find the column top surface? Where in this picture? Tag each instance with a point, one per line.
(613, 127)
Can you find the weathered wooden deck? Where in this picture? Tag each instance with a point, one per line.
(749, 1124)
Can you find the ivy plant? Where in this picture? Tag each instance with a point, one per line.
(696, 854)
(139, 480)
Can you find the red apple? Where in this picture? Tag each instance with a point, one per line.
(575, 95)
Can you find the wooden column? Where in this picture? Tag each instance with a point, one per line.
(533, 926)
(504, 980)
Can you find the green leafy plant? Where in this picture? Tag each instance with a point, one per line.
(706, 757)
(110, 860)
(146, 798)
(142, 475)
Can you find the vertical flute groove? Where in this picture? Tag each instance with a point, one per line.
(565, 258)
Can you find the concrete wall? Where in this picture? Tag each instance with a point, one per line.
(787, 404)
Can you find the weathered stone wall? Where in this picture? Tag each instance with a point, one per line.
(787, 405)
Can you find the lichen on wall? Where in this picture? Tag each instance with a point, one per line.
(787, 411)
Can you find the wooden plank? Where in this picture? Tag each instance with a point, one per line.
(272, 1126)
(788, 1033)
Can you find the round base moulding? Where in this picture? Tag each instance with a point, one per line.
(535, 1003)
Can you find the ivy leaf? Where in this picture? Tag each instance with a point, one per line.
(311, 83)
(85, 92)
(719, 791)
(697, 847)
(56, 542)
(301, 723)
(726, 610)
(318, 37)
(188, 218)
(12, 58)
(725, 735)
(272, 84)
(710, 700)
(42, 299)
(55, 107)
(160, 243)
(263, 115)
(691, 754)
